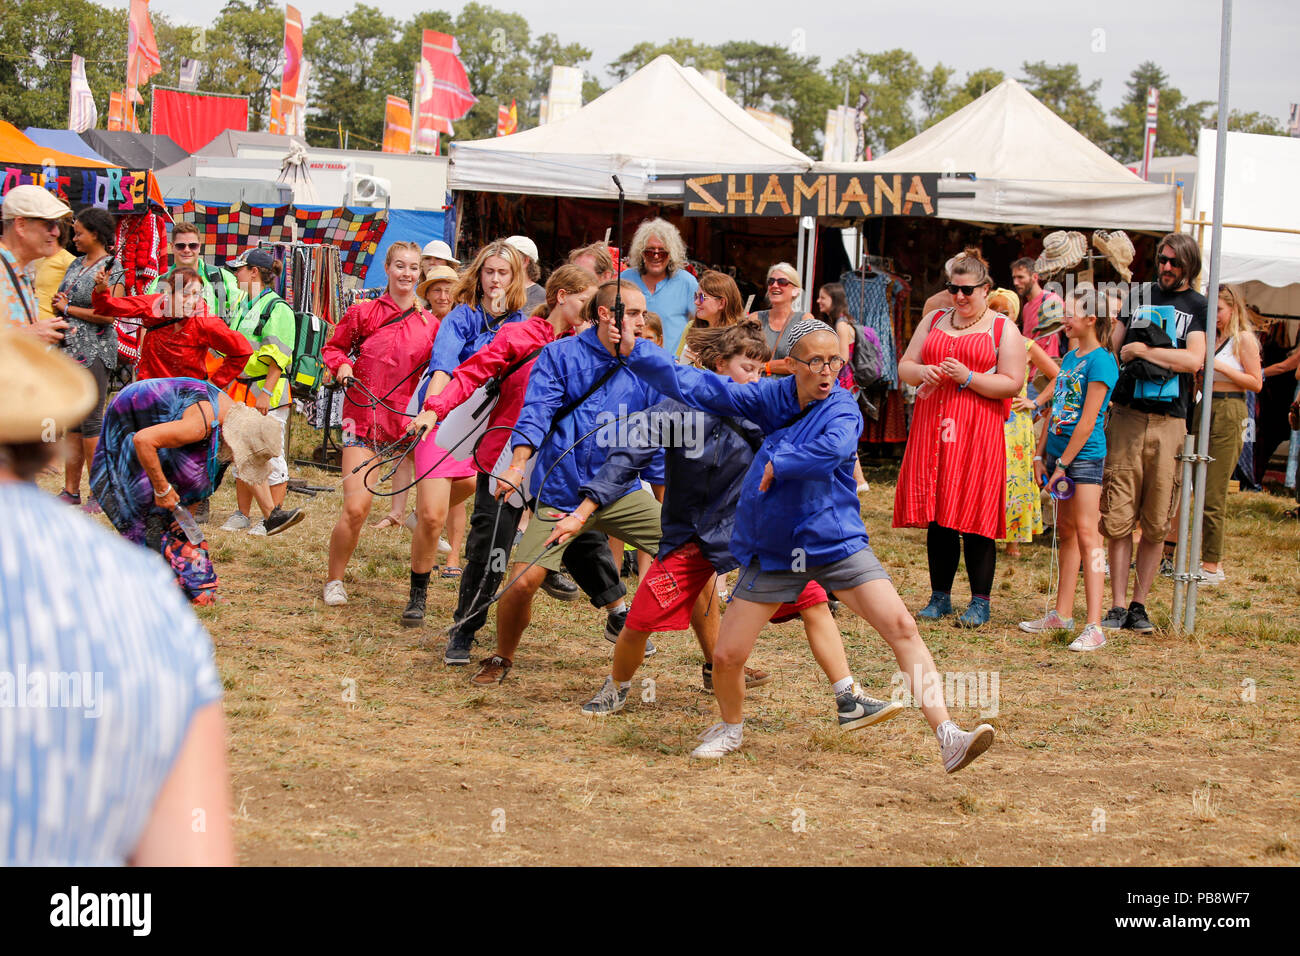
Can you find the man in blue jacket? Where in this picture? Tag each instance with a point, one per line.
(577, 385)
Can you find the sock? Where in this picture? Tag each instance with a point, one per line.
(619, 609)
(981, 596)
(420, 580)
(622, 684)
(840, 686)
(733, 728)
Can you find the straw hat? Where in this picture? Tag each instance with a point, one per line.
(1012, 311)
(436, 274)
(254, 439)
(1061, 251)
(42, 391)
(1117, 247)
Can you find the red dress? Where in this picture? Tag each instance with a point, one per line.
(954, 468)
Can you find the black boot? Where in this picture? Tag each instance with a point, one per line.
(413, 616)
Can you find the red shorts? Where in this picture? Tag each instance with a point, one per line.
(666, 595)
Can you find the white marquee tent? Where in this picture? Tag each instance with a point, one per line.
(662, 123)
(1031, 168)
(1259, 190)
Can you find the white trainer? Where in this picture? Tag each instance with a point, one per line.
(719, 740)
(443, 546)
(1089, 639)
(258, 530)
(236, 522)
(1051, 621)
(960, 747)
(334, 593)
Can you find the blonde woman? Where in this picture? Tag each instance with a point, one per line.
(1024, 498)
(657, 266)
(783, 288)
(1237, 370)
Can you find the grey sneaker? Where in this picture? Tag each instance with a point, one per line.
(258, 530)
(614, 621)
(719, 740)
(281, 520)
(610, 699)
(1115, 618)
(960, 747)
(457, 651)
(1052, 621)
(857, 710)
(236, 522)
(1166, 567)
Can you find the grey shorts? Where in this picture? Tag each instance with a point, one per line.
(782, 587)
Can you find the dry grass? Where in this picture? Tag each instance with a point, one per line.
(351, 743)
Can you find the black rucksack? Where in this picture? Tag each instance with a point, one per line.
(868, 363)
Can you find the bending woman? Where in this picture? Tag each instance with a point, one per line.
(799, 520)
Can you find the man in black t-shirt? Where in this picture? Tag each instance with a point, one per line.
(1147, 425)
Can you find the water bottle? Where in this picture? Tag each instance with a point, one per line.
(188, 524)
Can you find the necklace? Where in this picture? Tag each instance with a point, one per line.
(962, 328)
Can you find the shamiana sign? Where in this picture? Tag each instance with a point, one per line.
(812, 194)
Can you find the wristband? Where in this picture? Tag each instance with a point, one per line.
(1038, 458)
(163, 494)
(969, 378)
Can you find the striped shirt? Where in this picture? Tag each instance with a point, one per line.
(102, 667)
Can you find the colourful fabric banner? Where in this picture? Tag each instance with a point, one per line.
(121, 114)
(189, 75)
(195, 119)
(293, 82)
(397, 125)
(442, 89)
(82, 114)
(507, 119)
(142, 60)
(229, 229)
(276, 125)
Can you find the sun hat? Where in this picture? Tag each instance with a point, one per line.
(1012, 300)
(439, 250)
(1051, 316)
(33, 202)
(1061, 251)
(254, 439)
(1117, 247)
(42, 392)
(523, 245)
(436, 274)
(258, 258)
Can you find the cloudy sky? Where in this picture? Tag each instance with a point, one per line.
(1107, 38)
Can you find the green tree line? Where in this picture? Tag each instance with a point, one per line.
(365, 55)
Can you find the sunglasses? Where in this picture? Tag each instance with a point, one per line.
(701, 296)
(655, 254)
(777, 280)
(1167, 260)
(966, 290)
(181, 246)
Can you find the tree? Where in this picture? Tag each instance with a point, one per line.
(353, 71)
(1060, 88)
(684, 51)
(962, 94)
(244, 48)
(890, 80)
(773, 78)
(1240, 121)
(1178, 122)
(548, 51)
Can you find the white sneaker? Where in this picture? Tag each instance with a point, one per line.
(443, 546)
(334, 593)
(960, 747)
(1089, 639)
(719, 740)
(258, 530)
(863, 488)
(1211, 577)
(1052, 621)
(236, 522)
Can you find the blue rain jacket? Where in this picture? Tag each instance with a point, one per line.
(462, 332)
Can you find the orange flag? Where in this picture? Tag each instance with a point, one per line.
(121, 113)
(397, 125)
(277, 113)
(142, 60)
(507, 119)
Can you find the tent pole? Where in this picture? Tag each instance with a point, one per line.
(1211, 322)
(799, 260)
(1184, 506)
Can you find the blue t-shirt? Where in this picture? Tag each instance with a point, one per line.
(1077, 373)
(673, 301)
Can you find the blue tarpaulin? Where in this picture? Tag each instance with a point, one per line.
(65, 141)
(404, 225)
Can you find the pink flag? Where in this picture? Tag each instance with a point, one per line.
(142, 59)
(441, 89)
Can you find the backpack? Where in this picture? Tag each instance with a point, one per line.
(868, 362)
(306, 370)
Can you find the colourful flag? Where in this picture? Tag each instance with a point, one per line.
(121, 113)
(190, 70)
(397, 125)
(507, 119)
(82, 114)
(142, 59)
(442, 92)
(276, 125)
(292, 52)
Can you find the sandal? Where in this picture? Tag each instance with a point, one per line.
(388, 522)
(71, 499)
(450, 572)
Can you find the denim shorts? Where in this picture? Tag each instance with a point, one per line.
(784, 587)
(1080, 472)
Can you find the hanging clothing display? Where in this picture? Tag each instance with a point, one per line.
(878, 299)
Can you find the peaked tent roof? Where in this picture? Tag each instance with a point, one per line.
(64, 140)
(663, 122)
(135, 150)
(1031, 167)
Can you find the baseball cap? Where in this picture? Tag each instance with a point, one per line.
(33, 202)
(258, 258)
(524, 245)
(439, 250)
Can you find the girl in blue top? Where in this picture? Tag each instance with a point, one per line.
(798, 520)
(1074, 444)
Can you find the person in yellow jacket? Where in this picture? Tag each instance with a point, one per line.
(268, 322)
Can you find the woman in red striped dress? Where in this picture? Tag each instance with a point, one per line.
(968, 361)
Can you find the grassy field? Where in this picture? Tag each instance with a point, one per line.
(351, 743)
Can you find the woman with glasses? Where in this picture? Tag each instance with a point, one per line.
(717, 305)
(783, 289)
(969, 362)
(657, 260)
